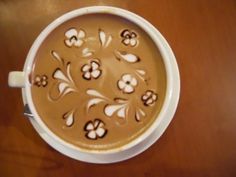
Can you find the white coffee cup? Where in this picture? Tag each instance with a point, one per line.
(145, 140)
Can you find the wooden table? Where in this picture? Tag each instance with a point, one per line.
(201, 139)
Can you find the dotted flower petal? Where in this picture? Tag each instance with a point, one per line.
(85, 68)
(126, 77)
(81, 34)
(134, 82)
(92, 134)
(121, 84)
(87, 75)
(71, 32)
(78, 42)
(94, 65)
(96, 73)
(128, 89)
(133, 42)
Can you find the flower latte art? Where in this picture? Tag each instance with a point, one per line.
(98, 81)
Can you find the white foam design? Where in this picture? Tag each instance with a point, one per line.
(108, 41)
(95, 93)
(92, 134)
(100, 131)
(93, 102)
(68, 73)
(62, 86)
(119, 100)
(105, 39)
(65, 83)
(121, 112)
(131, 58)
(127, 83)
(56, 56)
(139, 114)
(140, 71)
(111, 109)
(60, 75)
(86, 52)
(102, 37)
(69, 117)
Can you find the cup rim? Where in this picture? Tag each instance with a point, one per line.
(155, 36)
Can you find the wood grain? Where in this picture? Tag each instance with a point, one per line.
(200, 141)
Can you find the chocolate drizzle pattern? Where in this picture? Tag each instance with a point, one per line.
(91, 70)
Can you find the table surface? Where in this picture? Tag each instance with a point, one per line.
(201, 139)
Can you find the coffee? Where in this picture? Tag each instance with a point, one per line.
(98, 81)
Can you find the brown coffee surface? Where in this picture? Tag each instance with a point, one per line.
(98, 81)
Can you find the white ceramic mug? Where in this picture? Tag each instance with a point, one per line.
(20, 79)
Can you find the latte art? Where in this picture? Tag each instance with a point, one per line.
(98, 82)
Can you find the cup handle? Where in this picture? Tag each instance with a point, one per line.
(16, 79)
